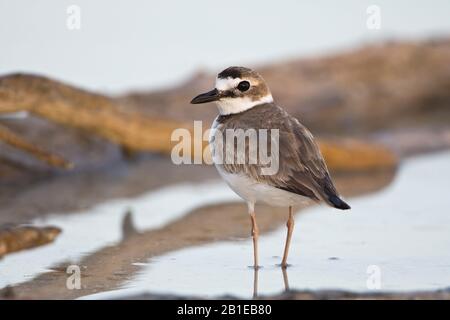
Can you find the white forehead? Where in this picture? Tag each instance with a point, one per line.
(227, 83)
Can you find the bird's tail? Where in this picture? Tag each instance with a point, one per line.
(338, 203)
(330, 195)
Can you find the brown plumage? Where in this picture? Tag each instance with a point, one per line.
(302, 169)
(245, 106)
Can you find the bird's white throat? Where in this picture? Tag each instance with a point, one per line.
(236, 105)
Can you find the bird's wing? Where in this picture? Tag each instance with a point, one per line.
(302, 169)
(302, 165)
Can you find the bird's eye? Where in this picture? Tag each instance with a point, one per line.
(243, 86)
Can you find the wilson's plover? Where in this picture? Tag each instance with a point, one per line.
(245, 102)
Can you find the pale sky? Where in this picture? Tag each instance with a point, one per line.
(131, 44)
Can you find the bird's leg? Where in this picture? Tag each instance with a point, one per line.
(255, 234)
(290, 228)
(285, 279)
(255, 283)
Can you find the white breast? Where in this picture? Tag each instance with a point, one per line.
(247, 188)
(255, 192)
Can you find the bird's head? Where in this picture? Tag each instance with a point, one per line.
(237, 89)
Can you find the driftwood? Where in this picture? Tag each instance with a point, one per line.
(371, 89)
(12, 139)
(103, 116)
(18, 238)
(93, 113)
(390, 86)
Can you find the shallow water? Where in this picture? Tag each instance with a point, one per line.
(89, 230)
(402, 232)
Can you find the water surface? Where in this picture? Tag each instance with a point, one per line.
(404, 231)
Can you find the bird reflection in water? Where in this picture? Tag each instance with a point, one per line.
(256, 277)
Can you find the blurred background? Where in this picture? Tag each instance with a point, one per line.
(152, 44)
(91, 91)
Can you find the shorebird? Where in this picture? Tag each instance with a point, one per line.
(245, 102)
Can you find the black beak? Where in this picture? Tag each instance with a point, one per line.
(209, 96)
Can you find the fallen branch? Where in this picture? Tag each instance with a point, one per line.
(89, 112)
(18, 238)
(10, 138)
(100, 115)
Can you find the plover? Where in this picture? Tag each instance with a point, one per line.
(245, 102)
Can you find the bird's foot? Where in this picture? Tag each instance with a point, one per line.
(284, 265)
(255, 267)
